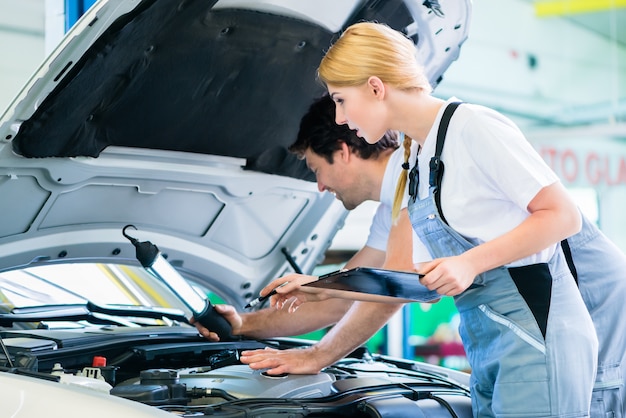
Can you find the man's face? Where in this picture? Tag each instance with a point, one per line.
(339, 178)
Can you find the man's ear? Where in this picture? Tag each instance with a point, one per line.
(344, 152)
(376, 87)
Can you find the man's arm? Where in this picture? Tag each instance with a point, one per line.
(270, 322)
(354, 329)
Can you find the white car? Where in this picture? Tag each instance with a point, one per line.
(174, 116)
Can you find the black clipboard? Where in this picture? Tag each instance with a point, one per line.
(375, 285)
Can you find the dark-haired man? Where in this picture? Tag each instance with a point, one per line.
(355, 172)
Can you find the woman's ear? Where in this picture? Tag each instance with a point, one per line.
(376, 87)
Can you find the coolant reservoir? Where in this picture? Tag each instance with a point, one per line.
(89, 379)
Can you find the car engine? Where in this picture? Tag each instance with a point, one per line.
(176, 370)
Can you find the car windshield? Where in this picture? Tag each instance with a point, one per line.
(79, 283)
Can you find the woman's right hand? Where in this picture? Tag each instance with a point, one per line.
(448, 276)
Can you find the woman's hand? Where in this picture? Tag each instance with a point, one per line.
(448, 276)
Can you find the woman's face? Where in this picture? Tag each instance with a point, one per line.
(360, 109)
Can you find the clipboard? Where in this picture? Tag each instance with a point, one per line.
(374, 285)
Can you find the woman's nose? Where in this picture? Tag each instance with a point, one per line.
(340, 118)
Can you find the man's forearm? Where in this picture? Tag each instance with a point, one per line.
(361, 322)
(270, 322)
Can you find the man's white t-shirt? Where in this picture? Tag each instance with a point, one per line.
(381, 223)
(491, 174)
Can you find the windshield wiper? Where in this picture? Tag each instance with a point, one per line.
(87, 312)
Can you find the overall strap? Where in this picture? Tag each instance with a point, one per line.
(567, 251)
(436, 165)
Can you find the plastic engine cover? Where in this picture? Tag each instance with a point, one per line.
(241, 381)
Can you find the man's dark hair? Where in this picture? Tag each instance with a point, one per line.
(319, 132)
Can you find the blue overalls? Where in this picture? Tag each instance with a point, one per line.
(600, 270)
(527, 334)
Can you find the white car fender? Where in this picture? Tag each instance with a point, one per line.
(27, 397)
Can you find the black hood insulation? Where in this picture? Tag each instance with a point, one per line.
(178, 75)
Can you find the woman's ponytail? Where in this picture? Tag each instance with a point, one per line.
(401, 186)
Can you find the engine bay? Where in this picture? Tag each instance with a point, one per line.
(176, 370)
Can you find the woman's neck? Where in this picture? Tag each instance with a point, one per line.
(414, 113)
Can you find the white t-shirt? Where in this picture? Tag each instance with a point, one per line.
(491, 174)
(381, 223)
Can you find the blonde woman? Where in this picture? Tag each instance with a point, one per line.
(495, 217)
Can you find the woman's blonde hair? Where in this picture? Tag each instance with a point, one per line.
(368, 49)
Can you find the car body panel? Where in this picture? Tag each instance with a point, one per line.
(25, 397)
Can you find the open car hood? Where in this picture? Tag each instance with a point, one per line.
(175, 116)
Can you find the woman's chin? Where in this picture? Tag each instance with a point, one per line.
(367, 139)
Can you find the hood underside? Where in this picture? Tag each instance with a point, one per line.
(191, 76)
(186, 87)
(175, 116)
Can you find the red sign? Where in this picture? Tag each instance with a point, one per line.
(586, 168)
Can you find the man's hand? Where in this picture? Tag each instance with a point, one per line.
(361, 321)
(294, 361)
(229, 313)
(291, 294)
